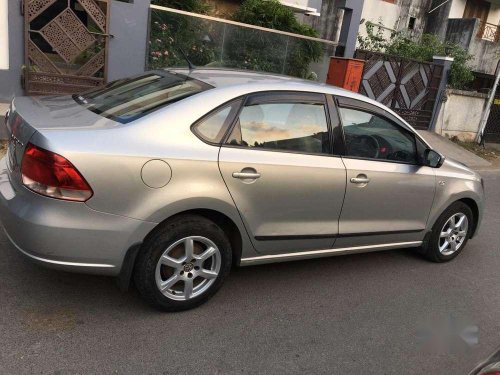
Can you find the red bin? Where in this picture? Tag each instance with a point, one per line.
(346, 73)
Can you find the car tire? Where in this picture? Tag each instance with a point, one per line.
(445, 232)
(182, 263)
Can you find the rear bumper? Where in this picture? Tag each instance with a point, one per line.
(66, 235)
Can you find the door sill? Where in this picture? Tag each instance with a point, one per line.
(325, 253)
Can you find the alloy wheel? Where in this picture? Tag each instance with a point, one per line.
(188, 268)
(453, 234)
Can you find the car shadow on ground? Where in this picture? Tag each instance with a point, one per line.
(49, 288)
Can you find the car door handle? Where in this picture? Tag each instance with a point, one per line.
(246, 175)
(360, 180)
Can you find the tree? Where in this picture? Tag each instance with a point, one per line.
(258, 50)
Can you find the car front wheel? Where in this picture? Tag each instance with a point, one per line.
(183, 263)
(450, 233)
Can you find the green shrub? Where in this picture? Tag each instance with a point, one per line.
(424, 49)
(194, 6)
(256, 50)
(243, 48)
(171, 33)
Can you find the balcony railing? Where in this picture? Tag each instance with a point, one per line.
(488, 31)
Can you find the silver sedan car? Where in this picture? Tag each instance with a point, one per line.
(171, 178)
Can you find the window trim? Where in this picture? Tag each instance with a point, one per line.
(285, 97)
(346, 102)
(359, 105)
(228, 123)
(337, 131)
(276, 97)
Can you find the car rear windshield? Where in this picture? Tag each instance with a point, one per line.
(128, 99)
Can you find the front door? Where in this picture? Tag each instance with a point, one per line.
(278, 166)
(65, 45)
(388, 194)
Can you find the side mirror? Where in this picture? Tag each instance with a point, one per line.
(433, 158)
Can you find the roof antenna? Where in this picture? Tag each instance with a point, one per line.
(190, 64)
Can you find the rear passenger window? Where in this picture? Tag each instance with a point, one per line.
(212, 128)
(299, 127)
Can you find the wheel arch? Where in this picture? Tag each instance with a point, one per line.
(467, 200)
(222, 220)
(235, 236)
(471, 203)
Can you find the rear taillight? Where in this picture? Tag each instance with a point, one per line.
(52, 175)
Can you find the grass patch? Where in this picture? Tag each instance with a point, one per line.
(482, 151)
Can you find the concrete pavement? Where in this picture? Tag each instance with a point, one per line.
(454, 151)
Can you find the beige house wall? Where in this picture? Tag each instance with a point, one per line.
(460, 115)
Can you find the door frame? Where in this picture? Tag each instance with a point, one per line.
(336, 147)
(383, 237)
(283, 96)
(346, 102)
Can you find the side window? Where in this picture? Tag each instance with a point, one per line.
(300, 127)
(212, 128)
(374, 137)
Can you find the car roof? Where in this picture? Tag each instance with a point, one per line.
(218, 77)
(243, 80)
(225, 78)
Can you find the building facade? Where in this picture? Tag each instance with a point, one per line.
(471, 23)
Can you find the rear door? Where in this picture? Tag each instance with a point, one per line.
(389, 194)
(279, 168)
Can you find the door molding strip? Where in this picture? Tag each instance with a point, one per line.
(295, 237)
(408, 231)
(324, 253)
(332, 236)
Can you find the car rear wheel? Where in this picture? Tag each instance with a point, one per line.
(450, 233)
(183, 263)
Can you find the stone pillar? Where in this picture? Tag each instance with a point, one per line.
(350, 27)
(10, 77)
(129, 24)
(445, 63)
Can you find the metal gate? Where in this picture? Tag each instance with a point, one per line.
(65, 45)
(492, 129)
(407, 86)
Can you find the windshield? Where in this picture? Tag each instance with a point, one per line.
(126, 100)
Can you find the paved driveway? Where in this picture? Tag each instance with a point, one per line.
(345, 315)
